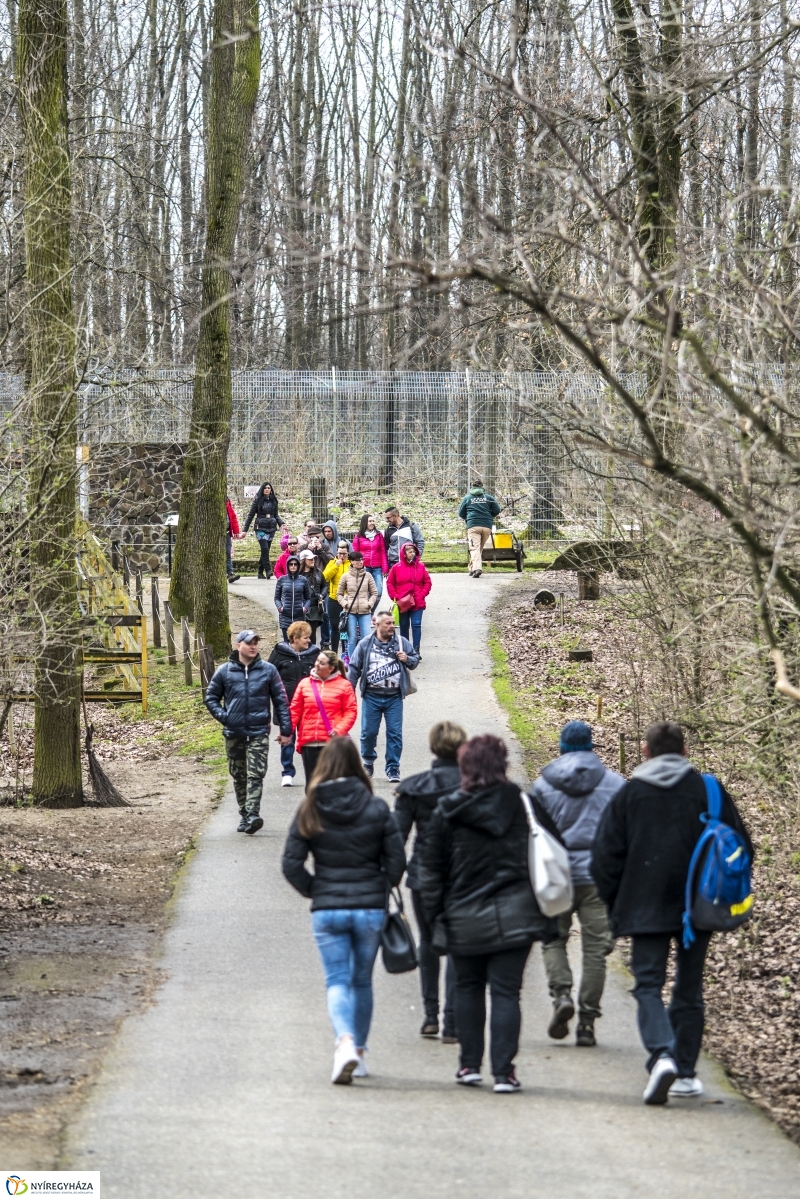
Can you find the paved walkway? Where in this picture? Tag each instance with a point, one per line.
(221, 1086)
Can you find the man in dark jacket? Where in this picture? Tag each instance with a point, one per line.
(575, 790)
(640, 862)
(477, 895)
(399, 529)
(417, 797)
(246, 685)
(294, 660)
(479, 510)
(382, 662)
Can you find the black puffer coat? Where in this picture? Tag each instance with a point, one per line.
(265, 510)
(357, 855)
(293, 665)
(247, 692)
(417, 797)
(473, 874)
(292, 597)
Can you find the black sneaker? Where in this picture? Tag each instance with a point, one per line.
(369, 769)
(242, 825)
(234, 578)
(393, 776)
(469, 1077)
(563, 1011)
(585, 1035)
(254, 823)
(430, 1027)
(449, 1036)
(507, 1084)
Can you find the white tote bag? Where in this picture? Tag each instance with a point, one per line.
(548, 866)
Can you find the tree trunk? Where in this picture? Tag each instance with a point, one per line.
(198, 582)
(42, 58)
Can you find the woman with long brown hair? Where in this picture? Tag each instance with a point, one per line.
(358, 855)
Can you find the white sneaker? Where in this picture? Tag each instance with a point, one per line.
(345, 1060)
(361, 1070)
(287, 780)
(662, 1076)
(686, 1088)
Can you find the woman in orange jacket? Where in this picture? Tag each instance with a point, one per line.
(323, 706)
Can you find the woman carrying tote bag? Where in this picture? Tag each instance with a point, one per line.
(358, 853)
(477, 895)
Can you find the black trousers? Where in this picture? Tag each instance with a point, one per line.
(314, 626)
(503, 972)
(309, 754)
(334, 614)
(677, 1030)
(265, 545)
(429, 971)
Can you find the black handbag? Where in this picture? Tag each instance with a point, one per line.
(398, 947)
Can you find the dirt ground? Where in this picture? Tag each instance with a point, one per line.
(753, 975)
(84, 901)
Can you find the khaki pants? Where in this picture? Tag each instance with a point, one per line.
(477, 538)
(596, 943)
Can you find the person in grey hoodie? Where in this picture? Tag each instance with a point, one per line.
(575, 789)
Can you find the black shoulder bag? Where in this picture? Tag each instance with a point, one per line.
(398, 947)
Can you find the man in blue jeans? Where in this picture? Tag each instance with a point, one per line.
(381, 662)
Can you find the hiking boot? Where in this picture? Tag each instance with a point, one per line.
(563, 1011)
(430, 1027)
(234, 578)
(468, 1077)
(686, 1088)
(242, 825)
(449, 1034)
(662, 1076)
(369, 769)
(585, 1035)
(254, 823)
(477, 574)
(507, 1084)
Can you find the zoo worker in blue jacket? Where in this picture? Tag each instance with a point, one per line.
(239, 697)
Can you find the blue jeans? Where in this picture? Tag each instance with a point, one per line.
(357, 627)
(287, 757)
(414, 618)
(377, 575)
(348, 940)
(389, 704)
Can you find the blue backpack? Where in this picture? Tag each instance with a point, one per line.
(718, 895)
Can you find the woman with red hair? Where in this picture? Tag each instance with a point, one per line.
(477, 895)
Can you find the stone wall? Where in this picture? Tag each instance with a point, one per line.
(132, 489)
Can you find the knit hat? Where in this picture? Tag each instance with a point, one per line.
(575, 736)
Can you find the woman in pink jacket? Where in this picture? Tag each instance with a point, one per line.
(369, 542)
(409, 580)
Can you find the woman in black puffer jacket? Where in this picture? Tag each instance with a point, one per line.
(264, 509)
(478, 897)
(358, 855)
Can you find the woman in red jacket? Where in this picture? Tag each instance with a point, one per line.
(323, 706)
(233, 531)
(370, 544)
(408, 583)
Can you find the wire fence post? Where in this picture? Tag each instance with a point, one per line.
(469, 429)
(169, 623)
(335, 398)
(187, 658)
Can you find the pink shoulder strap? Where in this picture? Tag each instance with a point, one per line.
(323, 714)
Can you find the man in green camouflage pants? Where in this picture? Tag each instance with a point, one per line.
(242, 696)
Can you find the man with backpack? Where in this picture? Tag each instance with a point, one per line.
(242, 694)
(641, 857)
(575, 789)
(479, 510)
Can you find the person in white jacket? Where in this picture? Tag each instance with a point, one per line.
(575, 789)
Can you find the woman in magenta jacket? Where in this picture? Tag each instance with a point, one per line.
(369, 542)
(407, 577)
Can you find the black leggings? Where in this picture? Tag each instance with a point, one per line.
(334, 613)
(503, 972)
(309, 754)
(429, 971)
(265, 545)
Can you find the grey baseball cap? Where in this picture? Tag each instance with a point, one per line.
(248, 635)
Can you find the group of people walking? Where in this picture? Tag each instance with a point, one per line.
(629, 844)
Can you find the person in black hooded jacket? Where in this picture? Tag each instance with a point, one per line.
(358, 855)
(417, 798)
(264, 510)
(477, 894)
